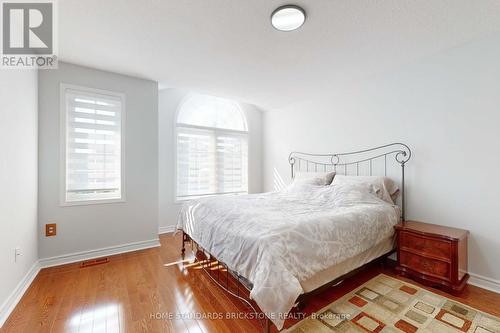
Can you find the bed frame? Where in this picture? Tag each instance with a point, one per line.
(354, 163)
(377, 161)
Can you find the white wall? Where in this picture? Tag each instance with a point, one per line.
(446, 107)
(82, 228)
(169, 101)
(18, 179)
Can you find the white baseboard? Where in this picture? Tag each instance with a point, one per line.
(14, 298)
(166, 229)
(484, 282)
(92, 254)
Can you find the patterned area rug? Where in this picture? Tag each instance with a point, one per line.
(385, 304)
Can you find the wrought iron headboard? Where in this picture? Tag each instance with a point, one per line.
(345, 162)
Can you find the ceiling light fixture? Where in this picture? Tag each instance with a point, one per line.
(288, 18)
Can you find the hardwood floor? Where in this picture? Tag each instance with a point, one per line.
(138, 292)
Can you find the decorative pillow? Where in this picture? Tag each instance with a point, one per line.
(302, 181)
(314, 178)
(384, 187)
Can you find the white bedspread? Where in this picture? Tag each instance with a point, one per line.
(277, 239)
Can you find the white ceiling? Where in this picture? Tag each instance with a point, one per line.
(229, 48)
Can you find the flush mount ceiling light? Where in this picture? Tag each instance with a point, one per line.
(288, 18)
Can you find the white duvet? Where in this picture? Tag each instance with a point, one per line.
(277, 239)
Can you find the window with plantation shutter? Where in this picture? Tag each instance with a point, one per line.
(92, 153)
(212, 148)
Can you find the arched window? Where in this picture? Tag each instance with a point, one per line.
(212, 147)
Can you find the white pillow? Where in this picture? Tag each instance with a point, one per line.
(384, 187)
(314, 178)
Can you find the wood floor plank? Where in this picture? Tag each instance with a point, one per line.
(136, 292)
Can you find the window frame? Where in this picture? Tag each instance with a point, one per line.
(64, 143)
(176, 125)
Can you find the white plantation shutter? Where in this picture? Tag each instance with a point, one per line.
(195, 162)
(232, 163)
(211, 160)
(93, 146)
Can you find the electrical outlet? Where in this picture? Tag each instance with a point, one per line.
(50, 229)
(17, 253)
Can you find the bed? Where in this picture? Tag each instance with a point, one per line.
(286, 244)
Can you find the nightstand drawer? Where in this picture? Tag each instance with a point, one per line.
(433, 254)
(426, 246)
(422, 264)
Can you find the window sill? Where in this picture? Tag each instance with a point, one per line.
(91, 202)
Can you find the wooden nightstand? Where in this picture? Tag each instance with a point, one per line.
(433, 255)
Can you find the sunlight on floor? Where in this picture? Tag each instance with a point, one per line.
(177, 262)
(100, 318)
